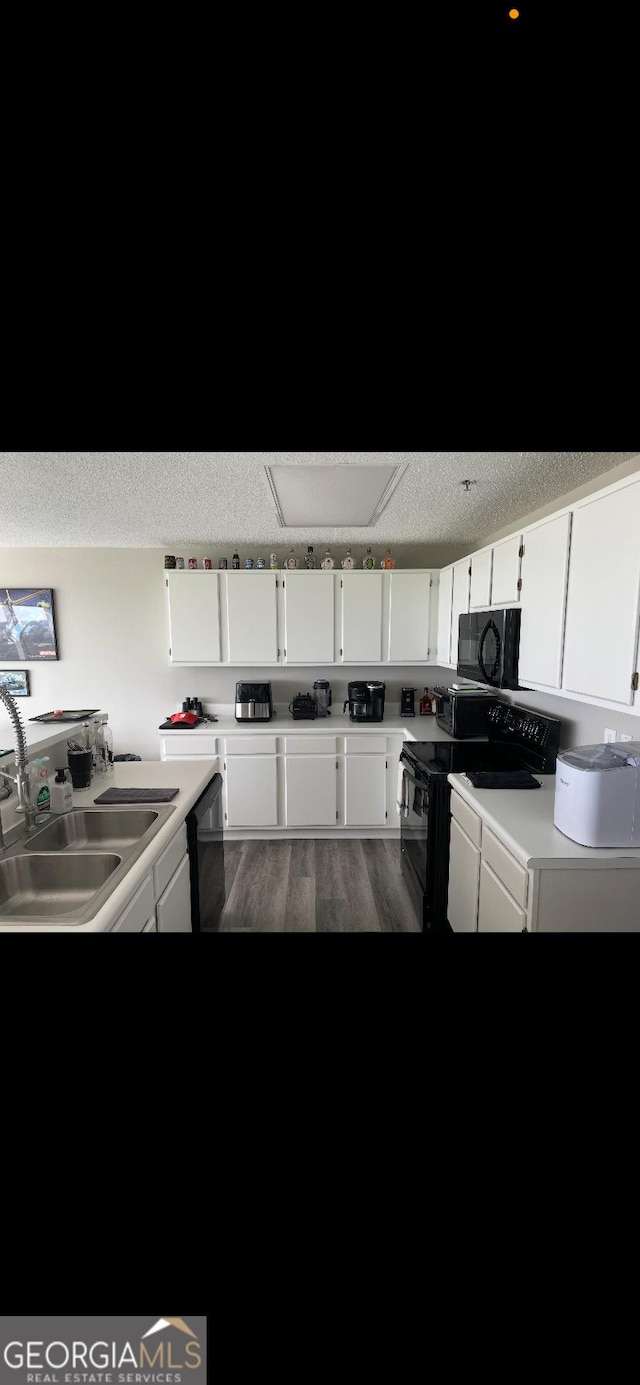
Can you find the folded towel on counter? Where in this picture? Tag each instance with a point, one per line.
(402, 802)
(137, 796)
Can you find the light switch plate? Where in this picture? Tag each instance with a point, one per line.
(610, 734)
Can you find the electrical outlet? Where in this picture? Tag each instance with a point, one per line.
(622, 737)
(609, 734)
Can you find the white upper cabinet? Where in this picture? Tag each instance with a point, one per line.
(251, 608)
(308, 618)
(601, 638)
(361, 640)
(409, 612)
(544, 592)
(506, 572)
(444, 616)
(459, 603)
(481, 579)
(194, 617)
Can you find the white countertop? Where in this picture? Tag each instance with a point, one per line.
(191, 777)
(39, 736)
(411, 728)
(523, 820)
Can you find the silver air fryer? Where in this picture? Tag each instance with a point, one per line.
(254, 702)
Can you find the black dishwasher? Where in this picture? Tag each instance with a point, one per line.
(206, 855)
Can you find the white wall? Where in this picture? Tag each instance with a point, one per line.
(112, 641)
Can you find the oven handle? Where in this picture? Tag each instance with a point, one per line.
(418, 787)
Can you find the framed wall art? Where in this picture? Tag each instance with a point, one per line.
(27, 625)
(17, 683)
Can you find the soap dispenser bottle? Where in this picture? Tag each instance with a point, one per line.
(61, 792)
(39, 785)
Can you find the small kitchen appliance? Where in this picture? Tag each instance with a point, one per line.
(366, 701)
(323, 696)
(254, 702)
(597, 800)
(304, 707)
(463, 714)
(408, 705)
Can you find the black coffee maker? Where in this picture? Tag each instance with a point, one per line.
(366, 701)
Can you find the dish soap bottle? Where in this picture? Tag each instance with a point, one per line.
(61, 792)
(39, 785)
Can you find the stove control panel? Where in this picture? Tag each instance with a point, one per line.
(529, 733)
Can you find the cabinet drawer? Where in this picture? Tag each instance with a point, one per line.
(505, 866)
(251, 745)
(366, 745)
(184, 745)
(310, 745)
(168, 863)
(468, 820)
(138, 912)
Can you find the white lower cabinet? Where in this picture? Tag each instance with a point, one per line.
(311, 790)
(365, 791)
(173, 909)
(498, 911)
(464, 876)
(251, 791)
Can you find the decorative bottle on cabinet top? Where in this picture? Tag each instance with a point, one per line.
(368, 562)
(387, 562)
(348, 563)
(292, 561)
(310, 560)
(235, 562)
(327, 564)
(273, 562)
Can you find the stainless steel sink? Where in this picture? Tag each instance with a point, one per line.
(52, 886)
(67, 870)
(78, 830)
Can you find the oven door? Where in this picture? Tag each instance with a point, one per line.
(414, 828)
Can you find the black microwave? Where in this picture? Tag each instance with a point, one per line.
(488, 647)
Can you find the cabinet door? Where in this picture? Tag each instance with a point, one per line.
(251, 791)
(444, 616)
(194, 617)
(506, 572)
(409, 603)
(464, 873)
(362, 618)
(459, 603)
(312, 790)
(544, 593)
(498, 911)
(602, 603)
(173, 909)
(366, 791)
(252, 618)
(308, 615)
(481, 580)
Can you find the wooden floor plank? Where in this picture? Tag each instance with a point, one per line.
(317, 885)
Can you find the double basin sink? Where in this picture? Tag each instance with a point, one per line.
(66, 871)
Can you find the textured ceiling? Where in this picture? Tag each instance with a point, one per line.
(174, 499)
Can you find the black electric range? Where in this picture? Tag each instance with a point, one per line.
(518, 739)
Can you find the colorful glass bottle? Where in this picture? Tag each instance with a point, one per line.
(327, 564)
(368, 562)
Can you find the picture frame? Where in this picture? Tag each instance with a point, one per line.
(15, 681)
(27, 625)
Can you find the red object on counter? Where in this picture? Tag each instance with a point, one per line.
(426, 705)
(185, 719)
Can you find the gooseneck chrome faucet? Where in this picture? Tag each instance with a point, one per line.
(21, 777)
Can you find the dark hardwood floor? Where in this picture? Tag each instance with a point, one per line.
(354, 886)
